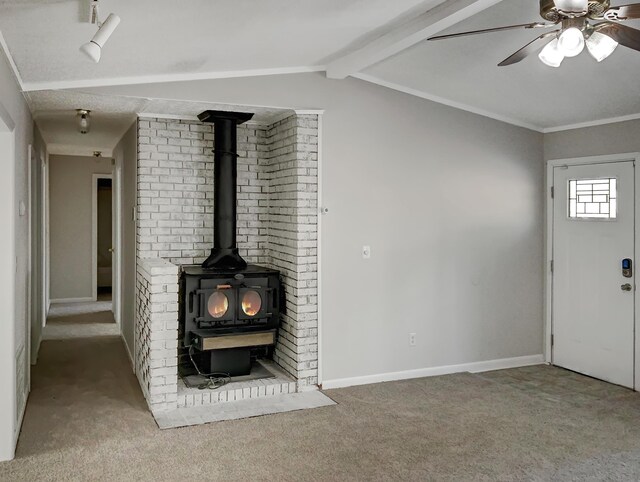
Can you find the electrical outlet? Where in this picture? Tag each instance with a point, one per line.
(412, 339)
(366, 252)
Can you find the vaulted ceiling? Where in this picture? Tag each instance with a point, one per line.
(379, 41)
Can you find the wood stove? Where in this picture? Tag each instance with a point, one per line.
(229, 311)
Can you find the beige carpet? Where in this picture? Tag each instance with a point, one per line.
(86, 420)
(80, 320)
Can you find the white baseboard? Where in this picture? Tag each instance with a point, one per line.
(128, 350)
(88, 299)
(474, 367)
(34, 353)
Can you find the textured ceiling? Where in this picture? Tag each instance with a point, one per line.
(202, 37)
(464, 70)
(163, 37)
(55, 113)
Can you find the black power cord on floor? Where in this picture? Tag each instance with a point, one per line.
(214, 380)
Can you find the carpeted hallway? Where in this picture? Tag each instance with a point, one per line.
(86, 420)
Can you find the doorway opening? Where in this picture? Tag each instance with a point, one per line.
(103, 238)
(83, 238)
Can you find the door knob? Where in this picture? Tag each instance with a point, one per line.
(626, 287)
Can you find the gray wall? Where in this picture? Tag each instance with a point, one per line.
(450, 203)
(126, 153)
(617, 138)
(14, 257)
(71, 221)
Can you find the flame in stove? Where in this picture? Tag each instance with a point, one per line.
(251, 303)
(218, 304)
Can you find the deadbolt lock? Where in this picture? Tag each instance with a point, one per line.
(626, 287)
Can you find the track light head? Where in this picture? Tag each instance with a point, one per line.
(93, 48)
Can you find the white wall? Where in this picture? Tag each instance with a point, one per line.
(126, 156)
(14, 253)
(616, 138)
(71, 223)
(450, 203)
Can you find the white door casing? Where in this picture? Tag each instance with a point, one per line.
(592, 317)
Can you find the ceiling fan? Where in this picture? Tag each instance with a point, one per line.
(593, 23)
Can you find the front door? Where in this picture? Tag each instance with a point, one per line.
(593, 298)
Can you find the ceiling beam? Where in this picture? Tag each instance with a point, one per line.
(425, 25)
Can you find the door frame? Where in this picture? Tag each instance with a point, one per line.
(548, 252)
(94, 234)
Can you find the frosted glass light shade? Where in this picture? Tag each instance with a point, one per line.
(572, 6)
(550, 55)
(600, 46)
(571, 42)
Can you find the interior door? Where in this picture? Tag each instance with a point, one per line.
(593, 300)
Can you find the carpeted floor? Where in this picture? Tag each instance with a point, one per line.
(80, 320)
(86, 420)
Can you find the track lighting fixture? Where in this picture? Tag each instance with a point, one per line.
(84, 120)
(93, 48)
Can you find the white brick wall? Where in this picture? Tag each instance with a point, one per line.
(293, 240)
(175, 191)
(157, 332)
(277, 225)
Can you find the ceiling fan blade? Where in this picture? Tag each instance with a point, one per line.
(530, 48)
(627, 36)
(623, 12)
(572, 6)
(495, 29)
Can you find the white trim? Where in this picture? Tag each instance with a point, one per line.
(191, 118)
(158, 78)
(86, 299)
(474, 367)
(8, 370)
(116, 212)
(151, 115)
(548, 254)
(320, 201)
(600, 122)
(76, 150)
(94, 230)
(309, 111)
(30, 251)
(129, 352)
(418, 28)
(447, 102)
(12, 64)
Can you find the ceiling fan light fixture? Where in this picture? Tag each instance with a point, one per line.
(571, 42)
(572, 8)
(550, 55)
(600, 46)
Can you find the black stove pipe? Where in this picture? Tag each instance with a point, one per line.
(224, 254)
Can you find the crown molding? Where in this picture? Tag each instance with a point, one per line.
(160, 78)
(12, 64)
(447, 102)
(600, 122)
